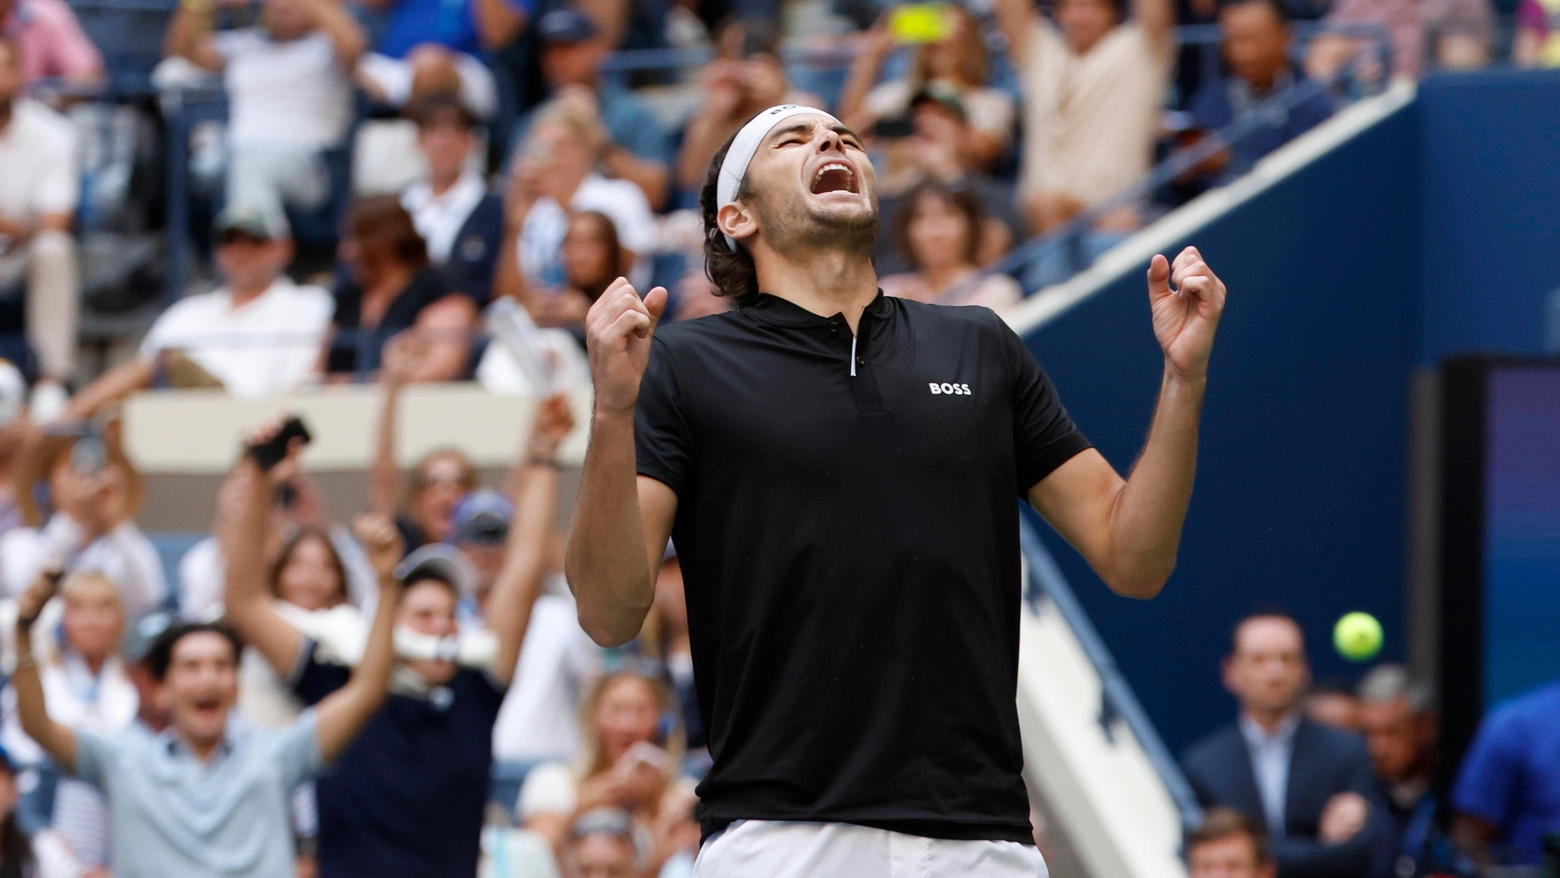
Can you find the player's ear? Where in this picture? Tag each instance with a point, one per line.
(737, 221)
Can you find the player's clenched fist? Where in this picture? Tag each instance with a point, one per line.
(617, 334)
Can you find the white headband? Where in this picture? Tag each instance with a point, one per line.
(743, 147)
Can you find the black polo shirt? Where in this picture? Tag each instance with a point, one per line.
(849, 544)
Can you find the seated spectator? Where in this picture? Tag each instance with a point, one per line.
(592, 259)
(439, 480)
(81, 819)
(745, 78)
(554, 176)
(1332, 703)
(94, 493)
(959, 64)
(1537, 42)
(394, 288)
(1309, 784)
(13, 434)
(635, 146)
(82, 675)
(438, 47)
(1093, 85)
(626, 763)
(1453, 34)
(259, 335)
(1229, 844)
(47, 41)
(289, 88)
(460, 220)
(377, 816)
(934, 153)
(38, 195)
(603, 843)
(297, 508)
(1507, 796)
(939, 231)
(1399, 723)
(1256, 44)
(174, 813)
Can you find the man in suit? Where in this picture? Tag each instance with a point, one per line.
(1308, 784)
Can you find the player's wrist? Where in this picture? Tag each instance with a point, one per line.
(1194, 380)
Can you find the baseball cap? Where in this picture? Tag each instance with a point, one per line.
(140, 635)
(943, 95)
(565, 25)
(482, 516)
(13, 392)
(251, 221)
(441, 562)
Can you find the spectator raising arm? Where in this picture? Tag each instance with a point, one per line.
(57, 739)
(343, 31)
(875, 48)
(498, 22)
(189, 37)
(525, 557)
(246, 500)
(404, 355)
(1016, 20)
(343, 713)
(1157, 19)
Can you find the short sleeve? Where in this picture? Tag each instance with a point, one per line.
(1490, 777)
(315, 680)
(1044, 436)
(548, 789)
(95, 755)
(297, 755)
(663, 444)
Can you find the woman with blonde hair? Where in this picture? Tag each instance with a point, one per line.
(93, 493)
(630, 756)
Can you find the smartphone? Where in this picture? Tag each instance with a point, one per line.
(646, 753)
(270, 453)
(88, 455)
(916, 24)
(894, 128)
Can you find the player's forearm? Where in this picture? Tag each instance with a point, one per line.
(1151, 507)
(605, 559)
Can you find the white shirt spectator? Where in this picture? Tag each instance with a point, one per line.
(293, 93)
(267, 346)
(105, 702)
(439, 217)
(124, 555)
(541, 238)
(539, 720)
(38, 153)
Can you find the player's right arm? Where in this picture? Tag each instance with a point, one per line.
(622, 520)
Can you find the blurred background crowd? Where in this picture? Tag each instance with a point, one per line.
(254, 198)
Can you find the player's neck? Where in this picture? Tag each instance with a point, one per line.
(826, 282)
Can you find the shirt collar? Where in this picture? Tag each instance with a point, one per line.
(1257, 736)
(420, 194)
(169, 742)
(784, 312)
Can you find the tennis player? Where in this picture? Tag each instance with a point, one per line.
(839, 469)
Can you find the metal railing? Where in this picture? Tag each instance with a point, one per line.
(1117, 700)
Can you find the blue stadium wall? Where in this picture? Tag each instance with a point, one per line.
(1435, 231)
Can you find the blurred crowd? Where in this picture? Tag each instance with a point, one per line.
(365, 167)
(1324, 779)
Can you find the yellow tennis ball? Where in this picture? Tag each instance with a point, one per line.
(1357, 636)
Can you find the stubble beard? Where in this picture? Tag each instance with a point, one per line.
(797, 226)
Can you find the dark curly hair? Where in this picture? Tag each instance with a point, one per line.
(732, 271)
(160, 656)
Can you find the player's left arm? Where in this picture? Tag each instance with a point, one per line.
(1129, 529)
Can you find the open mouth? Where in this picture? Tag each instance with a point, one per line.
(834, 177)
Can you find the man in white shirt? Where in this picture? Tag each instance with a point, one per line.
(39, 189)
(257, 336)
(462, 223)
(554, 176)
(289, 86)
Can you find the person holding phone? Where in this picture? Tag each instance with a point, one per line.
(949, 54)
(626, 763)
(375, 814)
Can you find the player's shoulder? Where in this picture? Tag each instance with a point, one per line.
(964, 322)
(699, 331)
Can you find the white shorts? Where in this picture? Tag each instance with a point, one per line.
(771, 849)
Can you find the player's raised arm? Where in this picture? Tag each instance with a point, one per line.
(621, 519)
(1130, 529)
